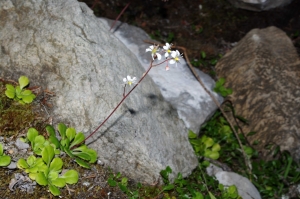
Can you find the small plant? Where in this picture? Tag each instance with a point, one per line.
(230, 192)
(71, 144)
(47, 170)
(122, 183)
(204, 146)
(18, 93)
(219, 88)
(4, 159)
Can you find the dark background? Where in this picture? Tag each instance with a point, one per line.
(212, 29)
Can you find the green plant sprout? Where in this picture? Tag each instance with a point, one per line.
(47, 170)
(18, 93)
(204, 146)
(219, 88)
(70, 143)
(4, 159)
(122, 183)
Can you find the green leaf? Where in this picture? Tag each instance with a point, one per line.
(53, 175)
(71, 176)
(10, 91)
(70, 133)
(22, 164)
(78, 139)
(50, 130)
(56, 164)
(203, 54)
(168, 187)
(31, 160)
(208, 142)
(23, 81)
(31, 134)
(192, 135)
(48, 154)
(62, 130)
(123, 187)
(41, 179)
(111, 182)
(216, 147)
(198, 195)
(59, 182)
(28, 98)
(68, 151)
(54, 140)
(211, 195)
(82, 155)
(82, 163)
(54, 190)
(5, 160)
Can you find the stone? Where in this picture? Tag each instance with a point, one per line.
(62, 47)
(263, 70)
(245, 188)
(177, 85)
(259, 5)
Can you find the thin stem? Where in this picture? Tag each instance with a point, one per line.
(119, 15)
(124, 97)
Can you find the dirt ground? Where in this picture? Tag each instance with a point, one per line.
(199, 25)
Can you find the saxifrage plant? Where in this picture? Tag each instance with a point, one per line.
(47, 170)
(18, 93)
(71, 143)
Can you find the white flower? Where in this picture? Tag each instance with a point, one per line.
(167, 49)
(153, 49)
(175, 57)
(129, 80)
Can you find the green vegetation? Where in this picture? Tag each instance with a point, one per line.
(71, 143)
(46, 170)
(4, 159)
(18, 93)
(219, 88)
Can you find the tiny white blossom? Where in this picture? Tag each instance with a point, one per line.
(153, 49)
(129, 80)
(167, 49)
(175, 57)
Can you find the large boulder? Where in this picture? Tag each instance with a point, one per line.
(63, 47)
(259, 5)
(263, 71)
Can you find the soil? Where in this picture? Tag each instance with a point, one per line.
(200, 26)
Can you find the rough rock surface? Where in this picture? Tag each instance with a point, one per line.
(259, 5)
(63, 47)
(178, 85)
(264, 72)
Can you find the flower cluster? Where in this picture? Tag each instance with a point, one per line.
(173, 56)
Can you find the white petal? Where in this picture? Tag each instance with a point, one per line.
(158, 56)
(166, 54)
(124, 80)
(173, 54)
(172, 61)
(128, 77)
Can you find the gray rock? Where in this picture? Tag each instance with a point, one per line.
(245, 188)
(21, 145)
(263, 73)
(259, 5)
(178, 85)
(62, 46)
